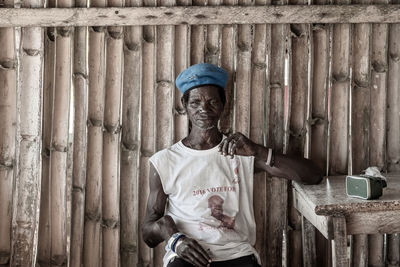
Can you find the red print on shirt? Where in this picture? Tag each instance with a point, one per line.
(215, 203)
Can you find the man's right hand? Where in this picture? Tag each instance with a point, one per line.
(191, 251)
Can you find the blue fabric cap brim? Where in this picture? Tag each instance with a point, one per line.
(199, 75)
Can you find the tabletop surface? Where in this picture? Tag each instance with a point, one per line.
(329, 197)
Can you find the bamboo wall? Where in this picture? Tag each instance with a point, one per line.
(102, 100)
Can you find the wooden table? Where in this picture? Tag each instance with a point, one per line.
(336, 215)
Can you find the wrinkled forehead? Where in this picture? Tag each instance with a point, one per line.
(206, 91)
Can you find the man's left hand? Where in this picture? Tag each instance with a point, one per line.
(237, 144)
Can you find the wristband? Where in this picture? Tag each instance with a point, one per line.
(173, 239)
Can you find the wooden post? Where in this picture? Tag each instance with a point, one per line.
(80, 79)
(111, 137)
(360, 125)
(182, 61)
(93, 200)
(130, 144)
(393, 125)
(26, 198)
(258, 116)
(309, 246)
(148, 145)
(340, 241)
(277, 188)
(8, 109)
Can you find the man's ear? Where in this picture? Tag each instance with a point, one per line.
(183, 103)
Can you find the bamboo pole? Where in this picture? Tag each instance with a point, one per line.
(44, 242)
(300, 84)
(378, 128)
(258, 115)
(8, 78)
(26, 199)
(228, 45)
(213, 49)
(147, 135)
(80, 79)
(59, 148)
(59, 144)
(164, 97)
(360, 125)
(111, 137)
(393, 125)
(93, 200)
(130, 144)
(182, 61)
(393, 135)
(321, 42)
(277, 188)
(339, 97)
(197, 38)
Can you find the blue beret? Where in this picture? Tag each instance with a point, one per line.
(201, 74)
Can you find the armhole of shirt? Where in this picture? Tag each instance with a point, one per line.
(159, 173)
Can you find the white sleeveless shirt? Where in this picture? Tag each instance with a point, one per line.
(210, 198)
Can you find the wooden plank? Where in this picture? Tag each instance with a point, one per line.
(306, 208)
(28, 181)
(373, 222)
(393, 248)
(8, 107)
(130, 144)
(197, 37)
(340, 241)
(165, 90)
(309, 246)
(196, 15)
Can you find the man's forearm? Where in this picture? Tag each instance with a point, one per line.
(289, 167)
(155, 232)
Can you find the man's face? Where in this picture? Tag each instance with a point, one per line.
(216, 208)
(204, 107)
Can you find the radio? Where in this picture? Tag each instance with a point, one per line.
(364, 186)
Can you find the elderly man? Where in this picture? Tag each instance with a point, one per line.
(201, 188)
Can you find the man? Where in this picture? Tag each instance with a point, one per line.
(201, 188)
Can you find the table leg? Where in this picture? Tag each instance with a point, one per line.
(339, 252)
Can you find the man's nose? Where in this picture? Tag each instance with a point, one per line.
(204, 106)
